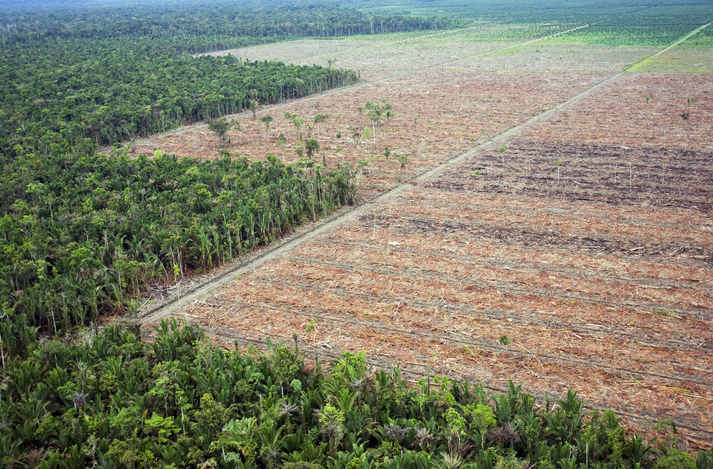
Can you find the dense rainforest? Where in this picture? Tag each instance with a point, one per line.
(186, 23)
(83, 235)
(115, 72)
(90, 233)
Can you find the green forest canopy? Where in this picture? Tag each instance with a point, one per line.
(113, 401)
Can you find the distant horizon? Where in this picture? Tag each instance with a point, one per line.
(21, 4)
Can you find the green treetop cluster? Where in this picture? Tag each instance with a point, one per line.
(113, 401)
(81, 236)
(84, 234)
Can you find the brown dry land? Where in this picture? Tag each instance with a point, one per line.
(584, 236)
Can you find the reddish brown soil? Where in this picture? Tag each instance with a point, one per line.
(439, 275)
(622, 115)
(587, 241)
(437, 115)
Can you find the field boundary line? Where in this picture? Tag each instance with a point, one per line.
(379, 44)
(680, 41)
(412, 374)
(346, 214)
(513, 131)
(231, 272)
(513, 46)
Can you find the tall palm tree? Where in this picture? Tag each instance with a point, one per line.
(266, 119)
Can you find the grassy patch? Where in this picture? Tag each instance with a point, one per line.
(680, 62)
(677, 389)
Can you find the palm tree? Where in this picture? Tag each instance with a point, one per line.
(375, 113)
(312, 147)
(298, 122)
(282, 141)
(267, 119)
(318, 119)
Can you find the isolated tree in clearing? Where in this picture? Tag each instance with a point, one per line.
(220, 127)
(282, 141)
(267, 119)
(298, 122)
(376, 111)
(287, 116)
(253, 107)
(318, 119)
(312, 147)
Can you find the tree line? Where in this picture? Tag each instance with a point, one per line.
(67, 94)
(111, 400)
(112, 73)
(180, 22)
(83, 236)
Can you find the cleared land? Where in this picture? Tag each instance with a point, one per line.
(585, 237)
(437, 114)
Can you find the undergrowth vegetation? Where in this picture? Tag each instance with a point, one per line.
(110, 400)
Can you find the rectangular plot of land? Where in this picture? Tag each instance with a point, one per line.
(437, 114)
(639, 109)
(612, 301)
(546, 56)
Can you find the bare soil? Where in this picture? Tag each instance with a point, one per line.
(437, 115)
(585, 238)
(644, 109)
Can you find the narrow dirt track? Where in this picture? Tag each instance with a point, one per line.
(153, 315)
